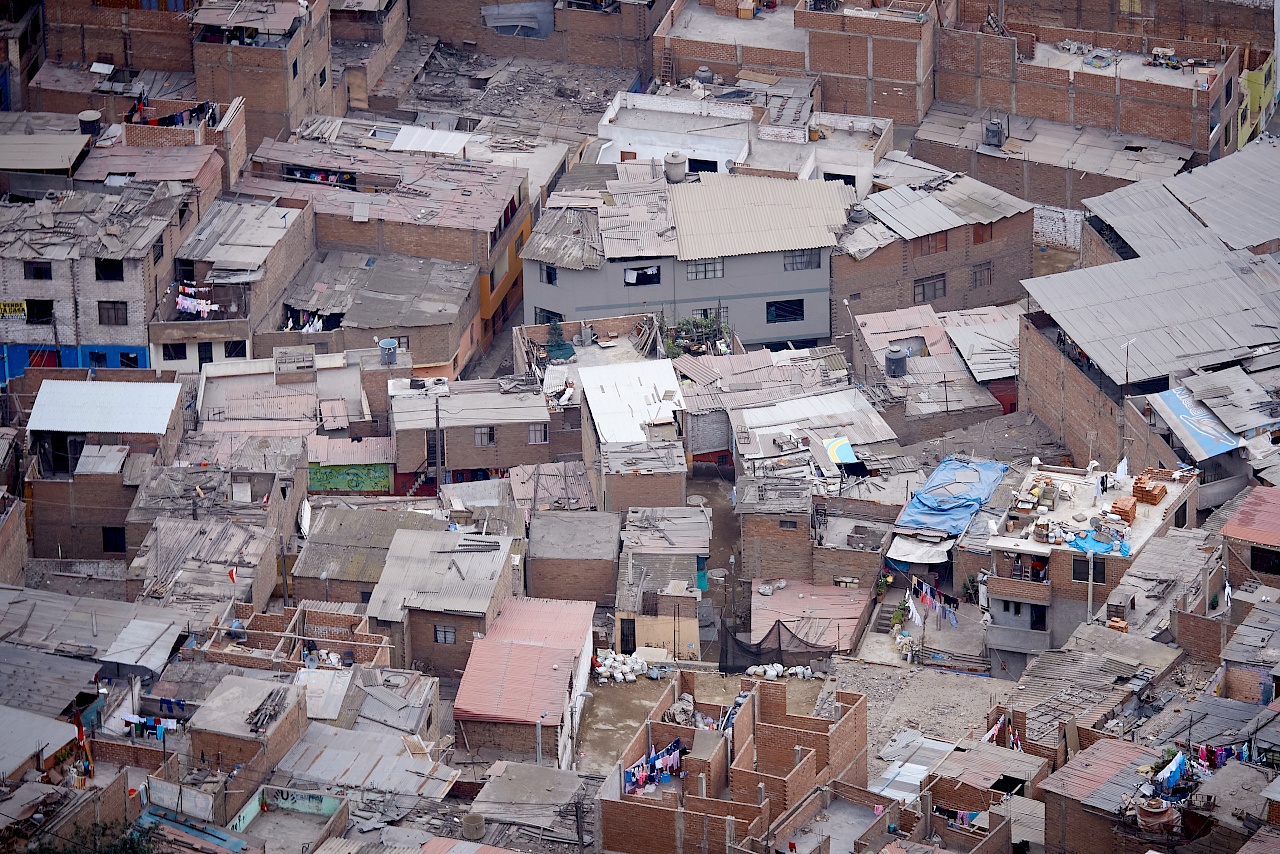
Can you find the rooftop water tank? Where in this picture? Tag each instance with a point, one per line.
(703, 74)
(895, 362)
(387, 346)
(90, 122)
(676, 166)
(993, 133)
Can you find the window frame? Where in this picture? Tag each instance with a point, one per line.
(796, 260)
(929, 244)
(129, 357)
(39, 318)
(982, 275)
(539, 429)
(1081, 562)
(104, 269)
(983, 232)
(173, 352)
(113, 312)
(243, 348)
(703, 269)
(788, 525)
(548, 274)
(489, 438)
(443, 634)
(41, 267)
(651, 273)
(773, 315)
(926, 289)
(117, 538)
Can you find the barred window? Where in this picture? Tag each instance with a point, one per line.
(707, 268)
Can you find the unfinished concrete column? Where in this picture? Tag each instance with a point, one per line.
(702, 785)
(799, 754)
(759, 793)
(679, 842)
(839, 710)
(728, 832)
(826, 796)
(926, 810)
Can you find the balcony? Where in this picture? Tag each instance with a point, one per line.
(1017, 640)
(1018, 590)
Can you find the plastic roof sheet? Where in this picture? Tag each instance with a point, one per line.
(951, 496)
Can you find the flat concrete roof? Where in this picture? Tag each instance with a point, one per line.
(574, 534)
(1126, 65)
(773, 29)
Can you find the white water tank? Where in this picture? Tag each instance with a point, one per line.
(387, 346)
(676, 166)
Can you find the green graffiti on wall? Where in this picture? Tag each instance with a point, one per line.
(365, 478)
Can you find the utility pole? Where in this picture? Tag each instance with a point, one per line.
(578, 823)
(439, 451)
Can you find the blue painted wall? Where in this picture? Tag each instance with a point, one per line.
(14, 357)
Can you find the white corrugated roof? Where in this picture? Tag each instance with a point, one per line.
(22, 733)
(626, 397)
(440, 571)
(911, 213)
(1150, 218)
(72, 406)
(145, 644)
(725, 215)
(412, 138)
(1238, 196)
(990, 350)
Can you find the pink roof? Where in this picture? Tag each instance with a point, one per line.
(1257, 520)
(551, 622)
(524, 664)
(445, 845)
(508, 682)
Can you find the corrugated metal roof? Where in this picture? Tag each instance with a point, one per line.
(1092, 768)
(22, 733)
(566, 237)
(990, 351)
(148, 164)
(350, 544)
(911, 213)
(412, 138)
(845, 413)
(552, 486)
(515, 683)
(981, 763)
(42, 683)
(1235, 397)
(1150, 219)
(70, 406)
(238, 235)
(441, 571)
(1257, 519)
(725, 215)
(328, 756)
(552, 622)
(969, 199)
(470, 409)
(1193, 307)
(626, 397)
(144, 644)
(326, 690)
(1237, 197)
(41, 152)
(335, 451)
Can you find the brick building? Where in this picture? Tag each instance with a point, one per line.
(661, 577)
(1251, 539)
(573, 554)
(346, 300)
(229, 278)
(84, 298)
(201, 167)
(439, 591)
(1245, 674)
(525, 681)
(616, 34)
(348, 547)
(954, 243)
(91, 443)
(366, 38)
(776, 522)
(777, 761)
(243, 636)
(13, 540)
(1076, 378)
(206, 559)
(476, 214)
(22, 35)
(642, 474)
(1082, 798)
(483, 430)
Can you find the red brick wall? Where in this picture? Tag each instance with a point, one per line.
(771, 551)
(13, 539)
(1202, 637)
(571, 579)
(623, 491)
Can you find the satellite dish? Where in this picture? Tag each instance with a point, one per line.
(311, 661)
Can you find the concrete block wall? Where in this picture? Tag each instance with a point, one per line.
(572, 579)
(771, 549)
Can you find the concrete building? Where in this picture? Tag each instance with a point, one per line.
(439, 591)
(933, 237)
(75, 295)
(229, 277)
(92, 443)
(749, 129)
(526, 682)
(341, 300)
(711, 250)
(573, 554)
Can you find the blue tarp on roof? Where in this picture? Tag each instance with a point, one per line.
(955, 491)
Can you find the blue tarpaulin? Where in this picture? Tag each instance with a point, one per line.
(1089, 544)
(955, 491)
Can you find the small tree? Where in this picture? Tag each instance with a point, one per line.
(555, 335)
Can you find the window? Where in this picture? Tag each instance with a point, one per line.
(1264, 561)
(983, 275)
(802, 259)
(698, 165)
(204, 352)
(128, 360)
(787, 524)
(854, 297)
(547, 274)
(486, 437)
(39, 270)
(930, 244)
(157, 250)
(113, 540)
(446, 634)
(234, 349)
(113, 313)
(1006, 606)
(930, 288)
(538, 434)
(324, 76)
(519, 243)
(638, 276)
(97, 359)
(784, 311)
(1130, 7)
(402, 343)
(624, 156)
(981, 232)
(1017, 609)
(708, 268)
(719, 312)
(173, 352)
(295, 68)
(365, 596)
(1080, 569)
(844, 179)
(109, 269)
(40, 311)
(184, 211)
